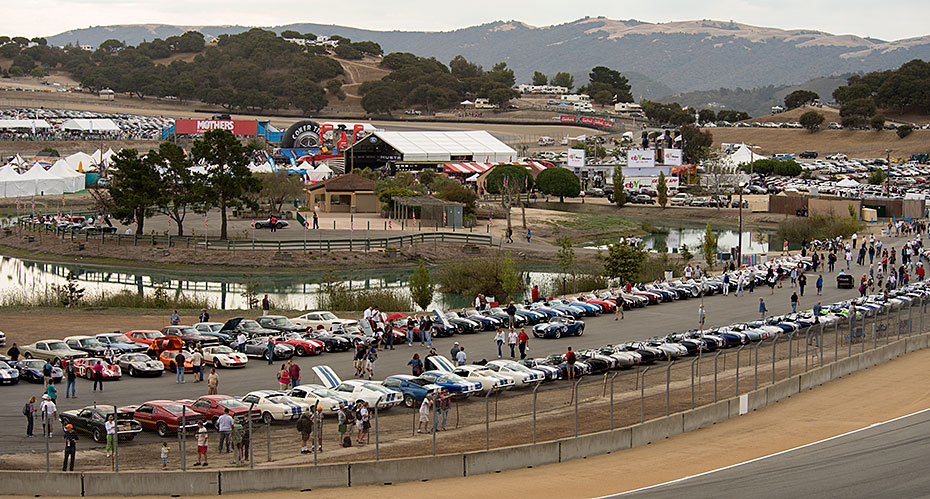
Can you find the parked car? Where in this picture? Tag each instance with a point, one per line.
(8, 373)
(280, 324)
(371, 392)
(313, 320)
(165, 417)
(274, 405)
(190, 336)
(51, 350)
(139, 364)
(413, 388)
(118, 342)
(266, 223)
(331, 342)
(258, 347)
(319, 395)
(642, 199)
(144, 336)
(223, 356)
(454, 384)
(808, 155)
(302, 346)
(251, 328)
(214, 329)
(85, 368)
(168, 358)
(31, 370)
(214, 406)
(87, 344)
(92, 419)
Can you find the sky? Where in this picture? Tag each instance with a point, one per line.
(887, 20)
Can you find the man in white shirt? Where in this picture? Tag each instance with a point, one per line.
(460, 357)
(240, 341)
(49, 412)
(197, 365)
(512, 342)
(224, 424)
(110, 427)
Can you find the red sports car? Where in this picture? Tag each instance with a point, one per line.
(164, 416)
(84, 368)
(214, 406)
(144, 336)
(302, 346)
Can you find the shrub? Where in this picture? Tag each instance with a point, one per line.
(797, 230)
(904, 131)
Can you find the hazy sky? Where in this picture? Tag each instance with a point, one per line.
(889, 19)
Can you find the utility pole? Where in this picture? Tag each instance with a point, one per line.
(888, 173)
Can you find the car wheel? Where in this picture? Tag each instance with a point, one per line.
(409, 401)
(132, 372)
(536, 334)
(28, 355)
(558, 333)
(258, 225)
(266, 417)
(265, 356)
(162, 429)
(98, 435)
(580, 331)
(329, 347)
(301, 351)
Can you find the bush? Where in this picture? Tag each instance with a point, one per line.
(337, 296)
(797, 230)
(771, 166)
(470, 277)
(904, 131)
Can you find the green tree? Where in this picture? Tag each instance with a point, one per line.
(562, 79)
(509, 277)
(566, 257)
(710, 246)
(877, 122)
(707, 116)
(381, 98)
(559, 182)
(181, 189)
(857, 112)
(696, 144)
(624, 261)
(612, 81)
(500, 96)
(509, 181)
(877, 177)
(279, 187)
(230, 183)
(904, 131)
(422, 287)
(732, 116)
(662, 189)
(131, 188)
(799, 98)
(619, 191)
(540, 78)
(812, 120)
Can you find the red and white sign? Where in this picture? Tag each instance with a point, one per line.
(588, 120)
(199, 127)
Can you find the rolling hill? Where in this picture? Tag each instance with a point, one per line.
(661, 58)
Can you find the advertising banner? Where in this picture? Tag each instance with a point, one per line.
(575, 157)
(671, 157)
(641, 158)
(588, 120)
(639, 182)
(199, 127)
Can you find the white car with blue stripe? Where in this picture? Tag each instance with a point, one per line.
(487, 380)
(275, 405)
(522, 375)
(355, 389)
(318, 395)
(8, 374)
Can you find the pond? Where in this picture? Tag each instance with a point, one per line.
(756, 241)
(298, 291)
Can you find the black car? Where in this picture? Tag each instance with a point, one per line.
(119, 343)
(598, 366)
(31, 370)
(331, 342)
(190, 336)
(279, 323)
(642, 199)
(139, 364)
(251, 328)
(464, 326)
(88, 344)
(258, 347)
(91, 420)
(808, 155)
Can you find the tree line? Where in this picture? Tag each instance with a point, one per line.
(906, 89)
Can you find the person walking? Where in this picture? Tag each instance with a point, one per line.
(305, 428)
(270, 347)
(284, 377)
(454, 351)
(197, 365)
(266, 305)
(52, 392)
(529, 235)
(29, 411)
(618, 310)
(701, 316)
(47, 370)
(762, 309)
(499, 339)
(316, 221)
(110, 428)
(818, 309)
(802, 282)
(175, 319)
(13, 353)
(570, 359)
(294, 370)
(213, 381)
(98, 375)
(819, 284)
(179, 366)
(524, 339)
(512, 342)
(370, 359)
(410, 329)
(202, 437)
(794, 302)
(224, 426)
(71, 377)
(512, 313)
(49, 413)
(70, 437)
(416, 365)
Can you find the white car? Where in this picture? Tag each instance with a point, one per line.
(355, 389)
(318, 395)
(223, 356)
(321, 318)
(275, 405)
(490, 380)
(2, 339)
(521, 375)
(208, 327)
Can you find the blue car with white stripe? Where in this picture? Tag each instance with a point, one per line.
(8, 374)
(275, 405)
(414, 389)
(453, 383)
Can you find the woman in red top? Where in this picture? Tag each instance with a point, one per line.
(98, 375)
(522, 339)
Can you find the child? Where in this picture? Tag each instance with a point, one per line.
(423, 425)
(164, 455)
(201, 445)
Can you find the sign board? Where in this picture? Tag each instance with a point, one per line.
(639, 182)
(575, 157)
(641, 158)
(199, 127)
(671, 157)
(588, 120)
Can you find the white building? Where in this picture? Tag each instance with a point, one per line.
(628, 107)
(542, 89)
(570, 98)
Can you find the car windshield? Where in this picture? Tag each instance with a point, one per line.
(90, 342)
(282, 321)
(111, 338)
(4, 365)
(293, 336)
(153, 334)
(327, 316)
(33, 364)
(418, 381)
(214, 327)
(249, 325)
(325, 393)
(187, 330)
(57, 345)
(452, 378)
(174, 408)
(230, 403)
(377, 388)
(278, 399)
(221, 350)
(517, 367)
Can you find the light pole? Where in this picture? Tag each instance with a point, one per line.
(739, 244)
(888, 173)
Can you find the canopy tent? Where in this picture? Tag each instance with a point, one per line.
(45, 183)
(534, 167)
(24, 125)
(264, 167)
(12, 184)
(848, 182)
(74, 181)
(94, 125)
(81, 162)
(107, 156)
(466, 102)
(742, 155)
(321, 172)
(17, 161)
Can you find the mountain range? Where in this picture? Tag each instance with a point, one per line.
(658, 58)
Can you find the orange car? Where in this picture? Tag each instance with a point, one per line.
(159, 345)
(144, 336)
(168, 357)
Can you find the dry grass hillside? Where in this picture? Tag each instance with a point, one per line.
(830, 113)
(856, 144)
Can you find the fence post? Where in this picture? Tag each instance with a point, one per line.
(183, 438)
(668, 379)
(377, 433)
(836, 340)
(910, 321)
(435, 420)
(875, 332)
(487, 421)
(252, 456)
(269, 441)
(575, 388)
(774, 343)
(45, 427)
(755, 353)
(642, 396)
(692, 382)
(737, 367)
(790, 351)
(612, 378)
(536, 389)
(115, 443)
(898, 319)
(806, 345)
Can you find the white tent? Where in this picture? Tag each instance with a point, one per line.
(321, 172)
(17, 161)
(848, 182)
(81, 162)
(95, 125)
(24, 124)
(108, 156)
(45, 182)
(261, 167)
(13, 185)
(74, 181)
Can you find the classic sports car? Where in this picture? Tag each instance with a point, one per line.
(414, 389)
(302, 346)
(490, 380)
(168, 357)
(280, 324)
(8, 373)
(452, 383)
(541, 367)
(355, 389)
(558, 327)
(223, 356)
(119, 343)
(85, 368)
(190, 336)
(144, 336)
(158, 345)
(258, 347)
(278, 224)
(331, 342)
(31, 371)
(165, 416)
(88, 344)
(313, 320)
(51, 350)
(317, 395)
(139, 364)
(522, 375)
(214, 406)
(251, 328)
(91, 420)
(274, 405)
(213, 329)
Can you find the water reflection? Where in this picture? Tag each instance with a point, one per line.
(753, 241)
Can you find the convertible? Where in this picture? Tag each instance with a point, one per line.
(558, 327)
(165, 416)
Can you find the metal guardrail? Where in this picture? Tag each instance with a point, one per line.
(318, 244)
